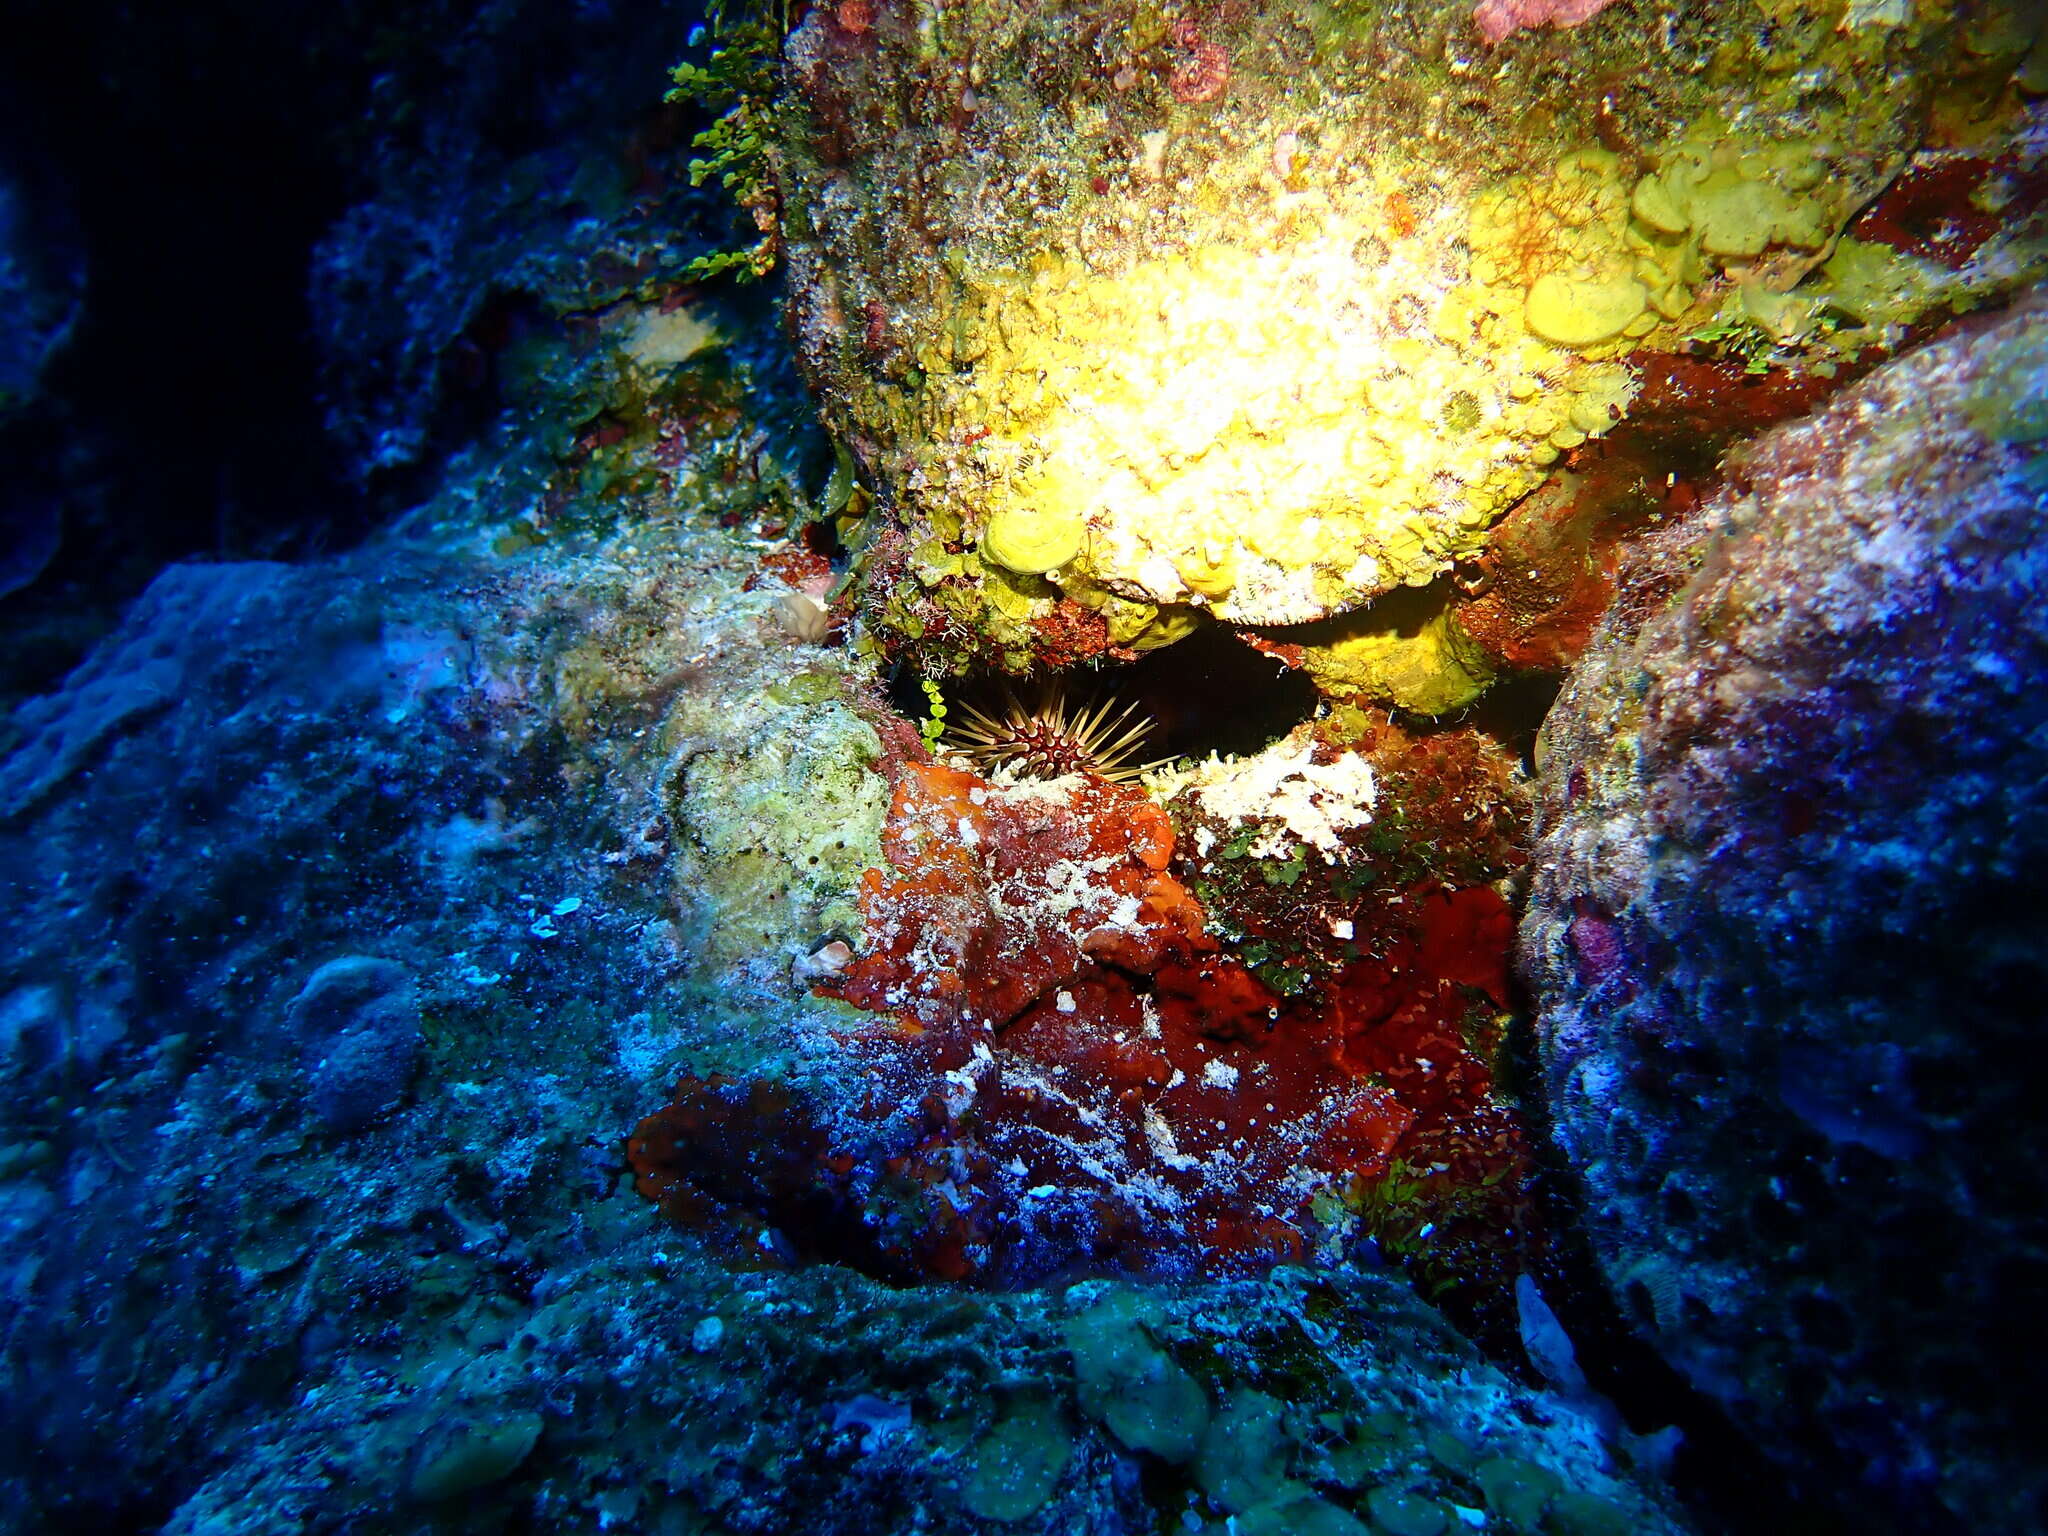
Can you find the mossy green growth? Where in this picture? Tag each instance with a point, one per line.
(737, 80)
(1400, 1513)
(1583, 312)
(1448, 1450)
(2032, 75)
(1518, 1491)
(1131, 1385)
(1304, 1516)
(1032, 541)
(1243, 1461)
(1575, 1512)
(1736, 200)
(1558, 238)
(1017, 1466)
(1141, 626)
(776, 817)
(2009, 401)
(649, 413)
(959, 609)
(812, 687)
(1877, 285)
(1609, 255)
(463, 1456)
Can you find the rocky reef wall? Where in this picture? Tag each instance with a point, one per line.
(993, 945)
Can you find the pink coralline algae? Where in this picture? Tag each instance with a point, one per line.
(1203, 70)
(1497, 18)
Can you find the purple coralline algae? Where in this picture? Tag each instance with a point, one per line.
(1787, 934)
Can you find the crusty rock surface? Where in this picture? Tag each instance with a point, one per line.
(1787, 932)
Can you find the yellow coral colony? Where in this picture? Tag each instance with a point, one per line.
(1276, 429)
(1341, 396)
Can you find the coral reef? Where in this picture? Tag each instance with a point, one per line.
(1080, 1071)
(359, 909)
(583, 1012)
(1784, 921)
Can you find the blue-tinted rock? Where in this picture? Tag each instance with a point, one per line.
(1790, 943)
(541, 180)
(42, 283)
(357, 1025)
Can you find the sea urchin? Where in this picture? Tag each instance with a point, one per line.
(1047, 741)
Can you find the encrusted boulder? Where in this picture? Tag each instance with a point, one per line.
(1136, 314)
(1788, 939)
